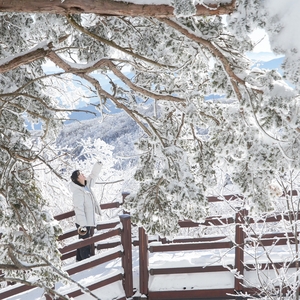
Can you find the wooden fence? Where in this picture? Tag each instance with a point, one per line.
(121, 228)
(145, 246)
(240, 241)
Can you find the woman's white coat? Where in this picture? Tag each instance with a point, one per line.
(84, 200)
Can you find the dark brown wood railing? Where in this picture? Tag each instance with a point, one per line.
(211, 243)
(121, 228)
(237, 244)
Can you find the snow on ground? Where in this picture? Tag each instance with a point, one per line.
(86, 277)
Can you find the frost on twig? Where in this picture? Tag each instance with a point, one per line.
(184, 8)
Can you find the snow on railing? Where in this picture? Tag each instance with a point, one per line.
(116, 236)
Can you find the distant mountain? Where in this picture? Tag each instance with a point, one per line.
(118, 130)
(81, 116)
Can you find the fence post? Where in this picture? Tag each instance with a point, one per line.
(127, 256)
(124, 195)
(144, 261)
(239, 249)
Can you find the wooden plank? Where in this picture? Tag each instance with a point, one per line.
(263, 266)
(97, 285)
(95, 262)
(239, 249)
(188, 247)
(107, 245)
(188, 270)
(107, 225)
(65, 215)
(110, 205)
(68, 235)
(186, 240)
(226, 197)
(68, 255)
(199, 240)
(235, 197)
(15, 291)
(274, 235)
(137, 242)
(215, 220)
(277, 242)
(71, 213)
(275, 238)
(276, 218)
(90, 240)
(98, 227)
(191, 294)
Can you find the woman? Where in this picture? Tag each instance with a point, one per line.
(85, 206)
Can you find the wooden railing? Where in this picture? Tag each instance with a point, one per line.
(118, 228)
(237, 244)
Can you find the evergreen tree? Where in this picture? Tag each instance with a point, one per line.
(167, 65)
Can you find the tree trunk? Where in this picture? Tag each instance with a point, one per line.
(105, 7)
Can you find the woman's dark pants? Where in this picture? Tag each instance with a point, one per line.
(84, 252)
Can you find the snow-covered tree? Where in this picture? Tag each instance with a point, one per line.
(160, 63)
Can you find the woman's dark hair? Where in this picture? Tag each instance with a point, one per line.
(74, 177)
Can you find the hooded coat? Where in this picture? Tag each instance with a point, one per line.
(84, 200)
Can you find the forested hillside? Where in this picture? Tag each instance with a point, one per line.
(119, 130)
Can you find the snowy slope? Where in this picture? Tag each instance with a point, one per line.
(118, 130)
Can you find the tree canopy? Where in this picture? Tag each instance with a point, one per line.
(168, 58)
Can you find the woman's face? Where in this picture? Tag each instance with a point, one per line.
(81, 178)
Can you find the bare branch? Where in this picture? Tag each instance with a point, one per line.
(34, 284)
(112, 44)
(24, 58)
(108, 63)
(83, 72)
(102, 92)
(136, 88)
(107, 8)
(14, 94)
(235, 80)
(19, 265)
